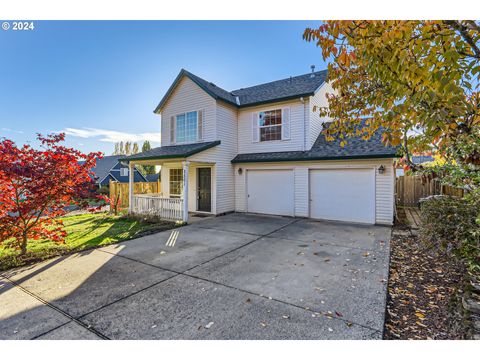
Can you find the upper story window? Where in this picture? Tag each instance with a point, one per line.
(186, 127)
(123, 171)
(270, 124)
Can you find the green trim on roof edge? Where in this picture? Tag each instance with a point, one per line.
(190, 153)
(385, 156)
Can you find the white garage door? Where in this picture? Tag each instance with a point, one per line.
(270, 192)
(343, 194)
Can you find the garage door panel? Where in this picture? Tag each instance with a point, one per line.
(270, 192)
(343, 194)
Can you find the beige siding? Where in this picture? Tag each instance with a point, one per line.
(298, 117)
(233, 128)
(301, 196)
(384, 184)
(314, 122)
(222, 155)
(192, 182)
(188, 96)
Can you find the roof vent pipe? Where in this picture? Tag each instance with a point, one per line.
(313, 71)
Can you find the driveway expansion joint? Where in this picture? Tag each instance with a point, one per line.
(184, 273)
(175, 273)
(50, 305)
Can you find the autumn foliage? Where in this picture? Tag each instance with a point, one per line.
(37, 184)
(417, 80)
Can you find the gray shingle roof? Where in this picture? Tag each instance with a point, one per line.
(173, 151)
(356, 148)
(290, 88)
(106, 165)
(103, 166)
(212, 88)
(294, 87)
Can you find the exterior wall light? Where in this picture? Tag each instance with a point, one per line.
(240, 171)
(381, 169)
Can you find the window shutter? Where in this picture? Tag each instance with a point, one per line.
(172, 130)
(255, 129)
(201, 115)
(286, 124)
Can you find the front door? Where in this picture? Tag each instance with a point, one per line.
(204, 191)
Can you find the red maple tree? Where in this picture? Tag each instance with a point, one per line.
(37, 184)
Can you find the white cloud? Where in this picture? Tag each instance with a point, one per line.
(111, 136)
(11, 130)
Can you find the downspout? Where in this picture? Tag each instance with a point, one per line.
(304, 124)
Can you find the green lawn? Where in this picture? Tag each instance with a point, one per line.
(84, 231)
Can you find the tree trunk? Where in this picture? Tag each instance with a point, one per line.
(23, 245)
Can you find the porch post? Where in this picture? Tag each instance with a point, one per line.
(131, 172)
(185, 190)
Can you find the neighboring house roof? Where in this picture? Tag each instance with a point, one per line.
(173, 151)
(152, 177)
(420, 159)
(104, 167)
(137, 177)
(106, 180)
(285, 89)
(356, 148)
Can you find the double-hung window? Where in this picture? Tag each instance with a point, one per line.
(186, 127)
(270, 123)
(176, 183)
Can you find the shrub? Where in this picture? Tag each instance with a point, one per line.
(452, 225)
(104, 190)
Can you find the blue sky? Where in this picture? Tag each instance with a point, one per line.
(101, 80)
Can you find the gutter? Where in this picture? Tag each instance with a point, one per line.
(172, 156)
(292, 97)
(311, 158)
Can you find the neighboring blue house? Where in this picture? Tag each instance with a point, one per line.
(109, 168)
(416, 159)
(153, 177)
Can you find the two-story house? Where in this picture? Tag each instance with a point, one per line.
(260, 150)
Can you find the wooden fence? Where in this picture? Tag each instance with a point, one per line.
(410, 189)
(120, 191)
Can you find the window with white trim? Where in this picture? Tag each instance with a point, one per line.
(186, 127)
(176, 183)
(123, 171)
(270, 125)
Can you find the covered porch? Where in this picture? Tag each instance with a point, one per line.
(188, 184)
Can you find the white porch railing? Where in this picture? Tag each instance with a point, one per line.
(156, 205)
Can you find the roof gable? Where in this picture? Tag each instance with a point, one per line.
(104, 165)
(209, 87)
(279, 90)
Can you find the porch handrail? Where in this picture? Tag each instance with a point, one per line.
(160, 195)
(159, 206)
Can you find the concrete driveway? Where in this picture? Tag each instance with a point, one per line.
(231, 277)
